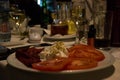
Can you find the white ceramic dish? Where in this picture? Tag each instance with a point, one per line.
(108, 61)
(59, 37)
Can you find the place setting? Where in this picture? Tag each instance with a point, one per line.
(29, 57)
(60, 60)
(71, 47)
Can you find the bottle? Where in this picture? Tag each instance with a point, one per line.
(69, 19)
(47, 14)
(65, 15)
(61, 26)
(44, 6)
(91, 36)
(5, 31)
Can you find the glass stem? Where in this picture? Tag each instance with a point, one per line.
(77, 40)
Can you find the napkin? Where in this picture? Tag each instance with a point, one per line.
(12, 43)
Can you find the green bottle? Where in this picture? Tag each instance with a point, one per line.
(47, 14)
(44, 6)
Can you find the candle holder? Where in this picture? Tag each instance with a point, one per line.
(35, 34)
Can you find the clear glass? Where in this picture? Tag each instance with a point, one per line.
(103, 32)
(70, 20)
(35, 34)
(5, 30)
(79, 17)
(60, 25)
(99, 7)
(17, 21)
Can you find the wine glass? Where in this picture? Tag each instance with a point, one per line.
(78, 14)
(17, 18)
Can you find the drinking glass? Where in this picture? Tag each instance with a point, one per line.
(78, 15)
(17, 17)
(103, 32)
(5, 31)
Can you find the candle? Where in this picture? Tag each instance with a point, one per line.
(35, 34)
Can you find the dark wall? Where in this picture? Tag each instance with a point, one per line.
(113, 20)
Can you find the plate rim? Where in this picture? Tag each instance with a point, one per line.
(60, 38)
(111, 61)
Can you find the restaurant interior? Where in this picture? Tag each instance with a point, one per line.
(59, 39)
(112, 15)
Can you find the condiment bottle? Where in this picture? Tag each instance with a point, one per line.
(61, 26)
(69, 18)
(91, 35)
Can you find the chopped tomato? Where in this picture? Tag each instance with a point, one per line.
(57, 64)
(84, 51)
(81, 63)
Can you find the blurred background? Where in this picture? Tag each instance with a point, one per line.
(112, 15)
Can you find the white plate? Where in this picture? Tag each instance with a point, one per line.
(59, 37)
(108, 61)
(12, 43)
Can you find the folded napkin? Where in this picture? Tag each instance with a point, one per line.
(12, 43)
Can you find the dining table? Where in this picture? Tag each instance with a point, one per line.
(8, 72)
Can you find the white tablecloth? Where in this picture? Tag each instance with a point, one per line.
(7, 72)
